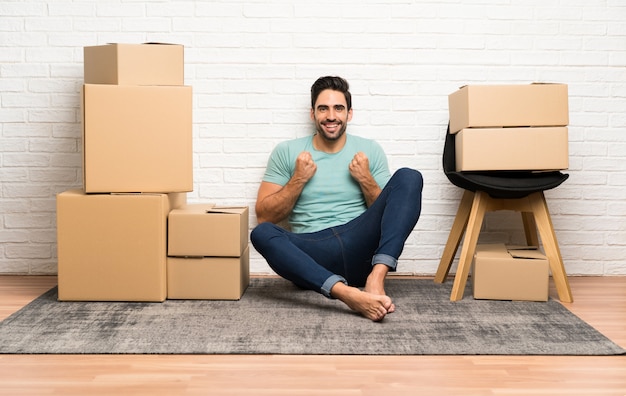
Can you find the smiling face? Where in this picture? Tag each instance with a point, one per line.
(331, 115)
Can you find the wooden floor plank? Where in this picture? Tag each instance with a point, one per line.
(601, 301)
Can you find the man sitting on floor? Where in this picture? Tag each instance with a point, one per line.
(349, 217)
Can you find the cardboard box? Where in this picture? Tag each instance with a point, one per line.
(112, 247)
(137, 139)
(206, 230)
(479, 149)
(134, 64)
(177, 200)
(510, 273)
(208, 278)
(491, 106)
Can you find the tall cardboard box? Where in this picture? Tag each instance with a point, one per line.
(112, 247)
(208, 278)
(492, 106)
(137, 138)
(510, 273)
(207, 230)
(535, 148)
(134, 64)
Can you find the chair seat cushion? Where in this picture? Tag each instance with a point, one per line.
(507, 184)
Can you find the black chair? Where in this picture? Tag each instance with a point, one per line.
(520, 191)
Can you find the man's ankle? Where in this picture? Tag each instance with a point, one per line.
(379, 270)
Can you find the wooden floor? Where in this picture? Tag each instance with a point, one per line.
(601, 301)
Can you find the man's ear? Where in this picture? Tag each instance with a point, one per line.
(312, 115)
(350, 115)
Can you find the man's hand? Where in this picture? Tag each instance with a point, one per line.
(360, 167)
(305, 167)
(275, 202)
(360, 170)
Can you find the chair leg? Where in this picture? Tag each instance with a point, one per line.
(551, 246)
(530, 229)
(454, 238)
(474, 224)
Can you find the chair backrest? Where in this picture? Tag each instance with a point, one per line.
(449, 153)
(449, 164)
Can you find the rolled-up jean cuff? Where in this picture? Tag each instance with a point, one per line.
(330, 282)
(389, 261)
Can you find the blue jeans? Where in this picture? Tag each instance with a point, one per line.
(346, 253)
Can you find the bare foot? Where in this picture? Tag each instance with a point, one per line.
(372, 306)
(375, 283)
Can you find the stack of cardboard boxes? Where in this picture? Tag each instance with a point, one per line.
(510, 128)
(208, 253)
(137, 167)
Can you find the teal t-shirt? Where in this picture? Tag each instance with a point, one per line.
(332, 197)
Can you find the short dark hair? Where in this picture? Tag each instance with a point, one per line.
(331, 82)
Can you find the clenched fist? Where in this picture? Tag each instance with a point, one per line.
(305, 167)
(360, 167)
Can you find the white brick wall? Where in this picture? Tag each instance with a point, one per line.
(251, 64)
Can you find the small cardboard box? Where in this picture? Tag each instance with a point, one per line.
(134, 64)
(137, 139)
(206, 230)
(208, 278)
(536, 148)
(510, 273)
(112, 247)
(492, 106)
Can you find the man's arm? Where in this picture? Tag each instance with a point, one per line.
(360, 170)
(275, 202)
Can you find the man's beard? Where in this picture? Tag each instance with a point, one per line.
(331, 138)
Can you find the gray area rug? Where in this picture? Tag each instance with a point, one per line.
(275, 317)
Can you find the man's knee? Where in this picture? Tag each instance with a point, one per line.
(260, 234)
(410, 178)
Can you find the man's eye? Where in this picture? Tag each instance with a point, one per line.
(339, 108)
